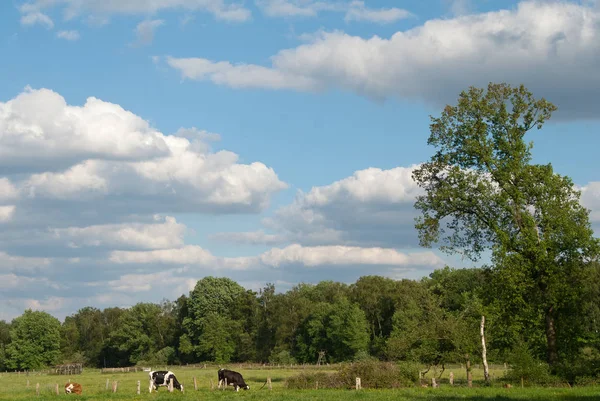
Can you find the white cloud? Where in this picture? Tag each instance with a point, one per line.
(252, 237)
(32, 16)
(144, 31)
(168, 234)
(590, 198)
(6, 213)
(22, 263)
(39, 131)
(373, 207)
(68, 35)
(551, 47)
(355, 10)
(240, 75)
(7, 190)
(359, 12)
(345, 255)
(110, 155)
(297, 8)
(100, 10)
(189, 254)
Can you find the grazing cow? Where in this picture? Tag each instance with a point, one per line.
(73, 388)
(233, 379)
(161, 378)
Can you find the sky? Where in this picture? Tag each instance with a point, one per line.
(146, 144)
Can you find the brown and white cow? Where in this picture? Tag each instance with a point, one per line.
(73, 388)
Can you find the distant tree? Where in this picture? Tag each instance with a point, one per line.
(34, 341)
(483, 193)
(4, 341)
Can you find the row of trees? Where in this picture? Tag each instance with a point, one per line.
(433, 321)
(481, 193)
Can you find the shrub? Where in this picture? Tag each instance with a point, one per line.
(282, 357)
(373, 374)
(525, 365)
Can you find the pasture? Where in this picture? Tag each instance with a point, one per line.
(14, 387)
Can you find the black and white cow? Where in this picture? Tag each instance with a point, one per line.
(161, 378)
(233, 379)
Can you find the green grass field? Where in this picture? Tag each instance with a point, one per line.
(14, 387)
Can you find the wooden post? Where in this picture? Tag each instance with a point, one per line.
(317, 385)
(433, 383)
(451, 378)
(269, 383)
(225, 384)
(196, 384)
(106, 384)
(486, 371)
(522, 382)
(211, 385)
(469, 374)
(114, 386)
(171, 385)
(56, 388)
(358, 386)
(37, 389)
(27, 383)
(138, 386)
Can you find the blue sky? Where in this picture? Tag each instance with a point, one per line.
(145, 145)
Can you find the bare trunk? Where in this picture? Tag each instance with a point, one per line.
(469, 374)
(551, 337)
(486, 372)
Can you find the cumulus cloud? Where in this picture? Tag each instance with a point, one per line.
(71, 36)
(168, 234)
(6, 213)
(40, 131)
(358, 11)
(551, 47)
(106, 154)
(355, 10)
(144, 31)
(590, 198)
(373, 207)
(100, 10)
(33, 16)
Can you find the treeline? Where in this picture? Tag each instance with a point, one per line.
(433, 321)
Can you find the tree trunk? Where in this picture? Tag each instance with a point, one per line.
(551, 337)
(486, 372)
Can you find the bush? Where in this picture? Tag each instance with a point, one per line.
(525, 365)
(373, 374)
(282, 358)
(309, 380)
(584, 367)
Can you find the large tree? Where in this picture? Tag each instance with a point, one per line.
(482, 192)
(35, 341)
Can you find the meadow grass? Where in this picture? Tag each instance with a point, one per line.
(14, 387)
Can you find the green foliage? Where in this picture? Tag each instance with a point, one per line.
(524, 365)
(482, 193)
(282, 357)
(373, 374)
(35, 341)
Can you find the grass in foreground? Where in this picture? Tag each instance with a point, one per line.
(14, 387)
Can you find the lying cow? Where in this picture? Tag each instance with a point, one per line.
(161, 378)
(233, 379)
(73, 388)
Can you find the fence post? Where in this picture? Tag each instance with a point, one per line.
(106, 384)
(434, 384)
(114, 386)
(138, 387)
(451, 379)
(225, 385)
(269, 383)
(171, 385)
(37, 389)
(56, 388)
(195, 384)
(358, 386)
(27, 383)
